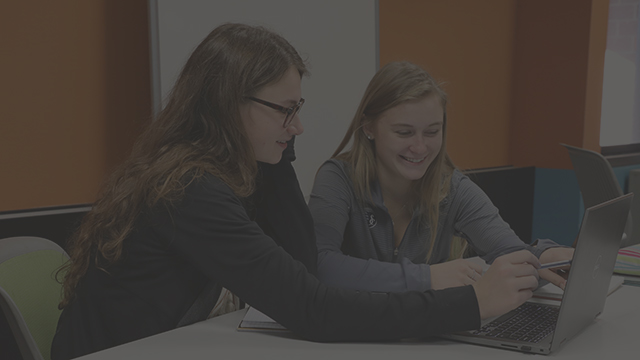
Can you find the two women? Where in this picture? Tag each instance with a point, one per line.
(207, 202)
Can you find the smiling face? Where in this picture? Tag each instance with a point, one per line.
(407, 137)
(264, 124)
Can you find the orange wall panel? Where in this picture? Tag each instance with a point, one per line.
(554, 78)
(549, 90)
(58, 97)
(468, 45)
(522, 75)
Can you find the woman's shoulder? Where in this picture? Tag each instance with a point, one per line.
(335, 164)
(334, 176)
(457, 178)
(210, 186)
(334, 168)
(463, 187)
(208, 197)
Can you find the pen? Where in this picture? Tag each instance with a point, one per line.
(555, 264)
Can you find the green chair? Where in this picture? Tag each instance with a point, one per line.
(29, 293)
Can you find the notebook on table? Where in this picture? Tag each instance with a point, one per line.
(628, 261)
(254, 320)
(542, 328)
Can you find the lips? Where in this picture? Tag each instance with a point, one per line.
(413, 160)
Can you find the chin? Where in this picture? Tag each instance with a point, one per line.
(271, 160)
(413, 175)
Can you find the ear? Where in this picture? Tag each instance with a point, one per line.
(367, 128)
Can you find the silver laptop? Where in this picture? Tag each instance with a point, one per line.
(541, 328)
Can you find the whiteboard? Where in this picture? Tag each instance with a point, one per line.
(337, 38)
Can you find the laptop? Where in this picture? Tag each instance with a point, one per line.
(540, 328)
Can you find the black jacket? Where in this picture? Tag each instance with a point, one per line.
(176, 250)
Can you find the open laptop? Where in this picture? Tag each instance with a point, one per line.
(541, 328)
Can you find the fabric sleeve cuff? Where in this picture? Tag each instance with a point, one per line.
(540, 245)
(460, 311)
(417, 276)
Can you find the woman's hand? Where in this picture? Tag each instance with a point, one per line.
(454, 273)
(553, 255)
(508, 283)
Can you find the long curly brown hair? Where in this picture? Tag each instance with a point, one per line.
(199, 131)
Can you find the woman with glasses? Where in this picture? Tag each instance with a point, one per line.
(387, 210)
(207, 205)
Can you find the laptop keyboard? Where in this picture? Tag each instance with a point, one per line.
(530, 322)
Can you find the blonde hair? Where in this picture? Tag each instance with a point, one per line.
(394, 84)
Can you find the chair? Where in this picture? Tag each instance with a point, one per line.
(29, 293)
(597, 181)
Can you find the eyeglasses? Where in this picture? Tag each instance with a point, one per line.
(290, 112)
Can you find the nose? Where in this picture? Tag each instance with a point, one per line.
(418, 145)
(295, 128)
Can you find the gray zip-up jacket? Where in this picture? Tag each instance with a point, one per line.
(355, 243)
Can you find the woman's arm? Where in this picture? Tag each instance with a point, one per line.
(213, 232)
(282, 212)
(479, 221)
(330, 204)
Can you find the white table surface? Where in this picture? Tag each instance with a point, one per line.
(615, 333)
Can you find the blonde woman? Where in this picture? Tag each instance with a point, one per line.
(386, 210)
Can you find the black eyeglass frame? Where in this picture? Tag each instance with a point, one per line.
(290, 112)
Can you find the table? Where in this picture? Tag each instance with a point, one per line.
(614, 333)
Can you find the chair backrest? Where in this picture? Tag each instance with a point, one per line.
(596, 180)
(29, 292)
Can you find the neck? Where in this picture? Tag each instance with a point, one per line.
(396, 192)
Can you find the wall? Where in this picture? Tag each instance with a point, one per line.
(76, 75)
(557, 98)
(557, 83)
(522, 75)
(623, 28)
(468, 45)
(337, 38)
(75, 93)
(620, 123)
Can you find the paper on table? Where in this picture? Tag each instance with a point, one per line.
(254, 320)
